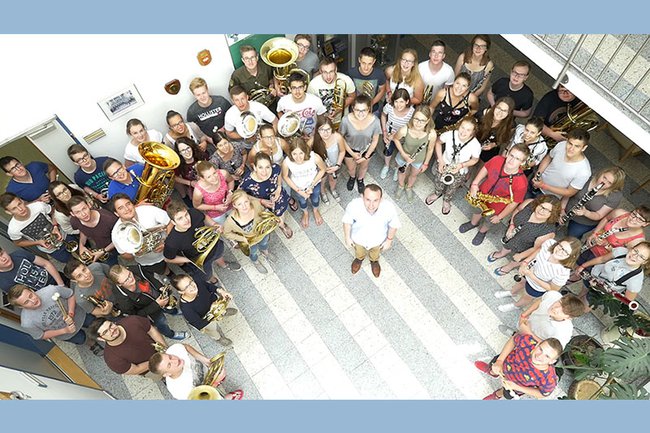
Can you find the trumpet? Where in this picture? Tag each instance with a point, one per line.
(87, 256)
(101, 303)
(217, 310)
(481, 201)
(166, 292)
(338, 102)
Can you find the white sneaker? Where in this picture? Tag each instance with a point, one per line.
(395, 175)
(507, 308)
(384, 172)
(323, 197)
(502, 294)
(335, 195)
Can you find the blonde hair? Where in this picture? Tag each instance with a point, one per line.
(413, 76)
(240, 193)
(196, 83)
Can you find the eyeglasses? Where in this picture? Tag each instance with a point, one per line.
(407, 61)
(635, 253)
(325, 130)
(15, 167)
(185, 150)
(564, 251)
(360, 110)
(302, 47)
(126, 280)
(84, 158)
(545, 209)
(249, 59)
(517, 74)
(267, 137)
(297, 87)
(177, 124)
(190, 284)
(122, 168)
(61, 192)
(503, 110)
(418, 120)
(481, 46)
(110, 327)
(635, 215)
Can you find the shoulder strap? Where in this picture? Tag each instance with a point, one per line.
(629, 275)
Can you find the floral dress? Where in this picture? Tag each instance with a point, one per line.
(264, 190)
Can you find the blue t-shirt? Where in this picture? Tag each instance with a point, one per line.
(98, 180)
(25, 272)
(376, 79)
(131, 189)
(31, 191)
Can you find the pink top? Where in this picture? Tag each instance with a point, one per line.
(216, 197)
(613, 241)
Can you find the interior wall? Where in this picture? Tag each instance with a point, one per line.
(67, 75)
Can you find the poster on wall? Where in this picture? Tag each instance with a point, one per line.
(120, 103)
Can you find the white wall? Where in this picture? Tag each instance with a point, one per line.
(67, 75)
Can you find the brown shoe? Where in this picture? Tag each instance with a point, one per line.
(356, 265)
(376, 269)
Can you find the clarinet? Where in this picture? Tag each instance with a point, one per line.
(505, 239)
(329, 164)
(602, 236)
(581, 203)
(607, 287)
(537, 178)
(402, 169)
(517, 277)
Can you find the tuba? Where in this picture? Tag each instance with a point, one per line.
(338, 102)
(481, 201)
(579, 116)
(281, 54)
(157, 181)
(212, 379)
(268, 222)
(289, 124)
(248, 125)
(206, 239)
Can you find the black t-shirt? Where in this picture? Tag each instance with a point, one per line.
(25, 272)
(209, 119)
(551, 107)
(180, 244)
(195, 310)
(523, 97)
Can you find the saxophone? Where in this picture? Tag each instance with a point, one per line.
(338, 102)
(581, 203)
(481, 201)
(268, 222)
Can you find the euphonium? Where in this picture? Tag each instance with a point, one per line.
(262, 95)
(481, 201)
(138, 241)
(206, 239)
(281, 54)
(289, 124)
(248, 125)
(157, 180)
(338, 102)
(578, 116)
(213, 377)
(268, 222)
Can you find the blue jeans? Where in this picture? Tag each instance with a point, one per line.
(160, 322)
(314, 198)
(80, 336)
(262, 245)
(576, 229)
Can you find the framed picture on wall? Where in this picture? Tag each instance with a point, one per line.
(120, 103)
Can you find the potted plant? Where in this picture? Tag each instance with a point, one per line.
(617, 372)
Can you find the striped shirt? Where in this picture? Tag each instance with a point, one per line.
(554, 273)
(393, 122)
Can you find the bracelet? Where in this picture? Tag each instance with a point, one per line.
(474, 184)
(390, 239)
(337, 165)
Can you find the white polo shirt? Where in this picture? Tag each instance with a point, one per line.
(148, 217)
(370, 230)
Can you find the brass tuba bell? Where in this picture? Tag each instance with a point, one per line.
(204, 392)
(281, 54)
(157, 180)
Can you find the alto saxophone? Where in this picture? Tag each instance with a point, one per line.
(481, 201)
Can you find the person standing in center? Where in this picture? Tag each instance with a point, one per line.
(369, 226)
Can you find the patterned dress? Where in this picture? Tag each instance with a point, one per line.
(525, 238)
(264, 190)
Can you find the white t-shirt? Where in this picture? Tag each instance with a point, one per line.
(554, 273)
(33, 228)
(307, 110)
(370, 230)
(615, 269)
(469, 151)
(131, 152)
(147, 217)
(191, 376)
(444, 77)
(302, 174)
(564, 174)
(232, 119)
(544, 327)
(325, 91)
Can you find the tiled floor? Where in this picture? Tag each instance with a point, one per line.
(312, 330)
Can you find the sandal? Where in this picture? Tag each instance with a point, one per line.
(293, 204)
(500, 272)
(446, 208)
(493, 258)
(429, 200)
(236, 395)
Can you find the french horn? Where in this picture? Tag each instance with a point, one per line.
(206, 239)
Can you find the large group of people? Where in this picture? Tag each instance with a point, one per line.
(121, 255)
